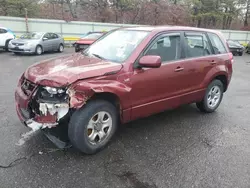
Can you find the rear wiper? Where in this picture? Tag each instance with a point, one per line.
(98, 56)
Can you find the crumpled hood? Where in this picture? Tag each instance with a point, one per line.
(65, 70)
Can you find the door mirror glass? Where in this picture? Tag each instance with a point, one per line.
(150, 61)
(45, 38)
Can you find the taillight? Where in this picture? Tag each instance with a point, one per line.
(231, 57)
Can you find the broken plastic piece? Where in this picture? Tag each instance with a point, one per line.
(60, 109)
(36, 126)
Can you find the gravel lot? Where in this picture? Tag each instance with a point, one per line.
(178, 148)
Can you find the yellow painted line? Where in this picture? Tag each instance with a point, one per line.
(71, 38)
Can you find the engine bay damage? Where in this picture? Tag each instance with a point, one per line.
(48, 106)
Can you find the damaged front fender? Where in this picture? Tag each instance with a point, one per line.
(81, 92)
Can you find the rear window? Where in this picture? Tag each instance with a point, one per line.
(219, 47)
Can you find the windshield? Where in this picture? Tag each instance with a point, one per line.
(31, 36)
(233, 43)
(93, 36)
(116, 46)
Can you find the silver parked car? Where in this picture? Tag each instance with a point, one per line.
(37, 43)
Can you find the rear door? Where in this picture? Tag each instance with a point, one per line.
(199, 59)
(55, 41)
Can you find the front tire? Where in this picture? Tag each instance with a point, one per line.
(92, 127)
(7, 46)
(241, 54)
(39, 50)
(212, 98)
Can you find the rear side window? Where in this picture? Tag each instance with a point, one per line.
(2, 31)
(197, 45)
(219, 47)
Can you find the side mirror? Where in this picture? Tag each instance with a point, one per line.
(150, 61)
(45, 38)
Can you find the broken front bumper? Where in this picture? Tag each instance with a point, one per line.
(50, 116)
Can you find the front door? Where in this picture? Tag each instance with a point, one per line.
(47, 44)
(157, 89)
(3, 37)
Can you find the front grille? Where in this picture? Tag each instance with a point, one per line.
(17, 49)
(17, 44)
(28, 87)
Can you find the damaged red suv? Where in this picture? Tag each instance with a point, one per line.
(128, 74)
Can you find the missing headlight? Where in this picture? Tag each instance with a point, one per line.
(52, 95)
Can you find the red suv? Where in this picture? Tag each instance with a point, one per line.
(128, 74)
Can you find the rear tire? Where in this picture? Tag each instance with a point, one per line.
(7, 46)
(39, 50)
(212, 98)
(77, 49)
(60, 48)
(87, 127)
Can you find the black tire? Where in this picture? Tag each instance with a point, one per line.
(203, 105)
(17, 53)
(38, 52)
(60, 48)
(6, 48)
(241, 54)
(77, 49)
(78, 132)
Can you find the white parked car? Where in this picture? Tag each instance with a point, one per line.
(6, 35)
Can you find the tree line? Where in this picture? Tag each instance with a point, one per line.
(215, 14)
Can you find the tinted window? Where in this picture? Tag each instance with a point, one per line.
(167, 47)
(3, 31)
(54, 36)
(48, 35)
(217, 44)
(197, 45)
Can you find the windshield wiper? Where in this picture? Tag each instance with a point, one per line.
(98, 56)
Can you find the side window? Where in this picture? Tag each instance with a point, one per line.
(54, 36)
(197, 45)
(47, 35)
(217, 44)
(167, 47)
(2, 31)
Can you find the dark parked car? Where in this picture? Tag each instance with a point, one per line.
(128, 74)
(86, 41)
(235, 47)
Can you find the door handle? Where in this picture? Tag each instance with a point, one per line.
(179, 69)
(213, 62)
